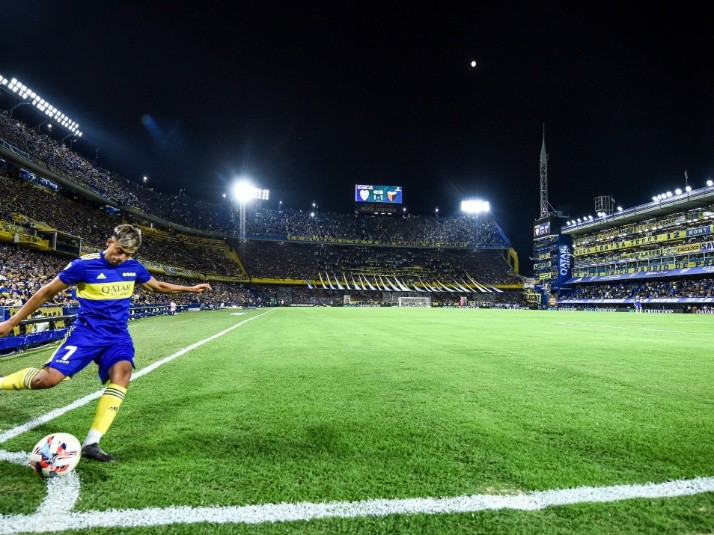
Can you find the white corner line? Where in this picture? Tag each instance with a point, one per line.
(286, 512)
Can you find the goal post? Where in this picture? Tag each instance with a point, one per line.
(415, 301)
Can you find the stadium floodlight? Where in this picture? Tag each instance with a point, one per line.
(619, 208)
(474, 206)
(579, 220)
(710, 183)
(244, 191)
(678, 191)
(669, 194)
(688, 189)
(28, 96)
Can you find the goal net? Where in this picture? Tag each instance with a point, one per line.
(415, 301)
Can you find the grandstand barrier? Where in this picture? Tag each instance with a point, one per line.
(45, 329)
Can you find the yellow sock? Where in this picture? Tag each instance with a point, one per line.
(108, 407)
(21, 380)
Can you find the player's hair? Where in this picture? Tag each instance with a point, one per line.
(127, 236)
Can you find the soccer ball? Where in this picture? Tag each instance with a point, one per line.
(56, 455)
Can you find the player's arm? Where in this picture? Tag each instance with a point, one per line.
(41, 296)
(161, 287)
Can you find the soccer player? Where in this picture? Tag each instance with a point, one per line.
(105, 283)
(638, 305)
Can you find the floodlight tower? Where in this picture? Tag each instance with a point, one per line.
(244, 192)
(552, 251)
(544, 207)
(27, 96)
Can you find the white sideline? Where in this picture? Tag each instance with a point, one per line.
(12, 433)
(60, 520)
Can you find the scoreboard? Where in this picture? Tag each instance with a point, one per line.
(368, 193)
(541, 229)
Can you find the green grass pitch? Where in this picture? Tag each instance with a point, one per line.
(351, 404)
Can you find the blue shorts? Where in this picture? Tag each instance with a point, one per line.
(70, 358)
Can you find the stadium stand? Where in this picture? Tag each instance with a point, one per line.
(661, 253)
(57, 204)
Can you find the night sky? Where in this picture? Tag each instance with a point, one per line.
(309, 101)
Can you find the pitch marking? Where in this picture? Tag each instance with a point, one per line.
(53, 515)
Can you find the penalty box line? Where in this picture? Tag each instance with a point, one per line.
(12, 433)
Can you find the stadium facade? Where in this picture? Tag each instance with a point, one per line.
(659, 254)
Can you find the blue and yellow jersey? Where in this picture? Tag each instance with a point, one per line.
(104, 293)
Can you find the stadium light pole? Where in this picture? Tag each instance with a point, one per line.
(9, 112)
(244, 192)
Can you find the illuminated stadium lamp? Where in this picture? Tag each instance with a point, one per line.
(25, 93)
(579, 220)
(655, 198)
(669, 194)
(678, 191)
(244, 191)
(312, 214)
(710, 183)
(688, 189)
(474, 206)
(619, 208)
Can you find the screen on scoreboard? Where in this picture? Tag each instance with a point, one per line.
(382, 194)
(541, 229)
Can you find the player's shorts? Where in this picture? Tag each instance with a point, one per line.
(71, 358)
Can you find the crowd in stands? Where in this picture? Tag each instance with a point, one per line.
(23, 272)
(222, 294)
(403, 230)
(23, 201)
(305, 261)
(281, 244)
(686, 287)
(411, 230)
(655, 244)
